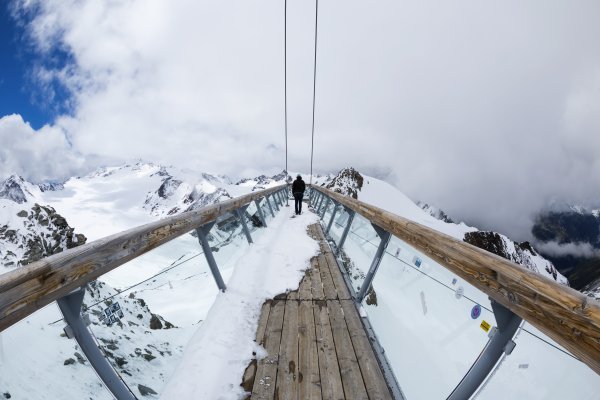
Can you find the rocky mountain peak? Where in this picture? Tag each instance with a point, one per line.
(347, 182)
(14, 189)
(435, 212)
(519, 253)
(38, 233)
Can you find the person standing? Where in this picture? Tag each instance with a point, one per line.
(298, 188)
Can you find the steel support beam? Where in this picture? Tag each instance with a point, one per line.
(273, 197)
(240, 215)
(210, 259)
(270, 207)
(499, 343)
(324, 210)
(261, 215)
(320, 204)
(335, 209)
(70, 306)
(346, 230)
(385, 239)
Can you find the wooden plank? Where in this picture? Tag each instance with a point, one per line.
(304, 291)
(309, 380)
(567, 316)
(352, 379)
(27, 289)
(328, 286)
(266, 373)
(287, 371)
(338, 279)
(331, 380)
(316, 284)
(262, 322)
(369, 367)
(250, 372)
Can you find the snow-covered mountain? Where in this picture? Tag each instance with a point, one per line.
(381, 194)
(41, 219)
(569, 235)
(30, 231)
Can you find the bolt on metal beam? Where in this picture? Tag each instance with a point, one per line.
(70, 306)
(500, 343)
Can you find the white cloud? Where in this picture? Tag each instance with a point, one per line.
(36, 155)
(567, 249)
(486, 110)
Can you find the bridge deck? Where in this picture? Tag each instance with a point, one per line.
(317, 347)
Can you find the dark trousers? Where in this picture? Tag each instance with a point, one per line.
(298, 204)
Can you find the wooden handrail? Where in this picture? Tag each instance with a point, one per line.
(27, 289)
(564, 314)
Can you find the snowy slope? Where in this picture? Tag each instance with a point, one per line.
(178, 285)
(387, 197)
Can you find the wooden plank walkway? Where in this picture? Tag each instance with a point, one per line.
(317, 347)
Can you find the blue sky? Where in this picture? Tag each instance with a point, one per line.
(19, 93)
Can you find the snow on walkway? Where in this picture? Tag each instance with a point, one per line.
(221, 349)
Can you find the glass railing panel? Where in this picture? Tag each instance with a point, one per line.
(339, 223)
(253, 221)
(38, 361)
(327, 215)
(538, 368)
(431, 331)
(359, 250)
(143, 327)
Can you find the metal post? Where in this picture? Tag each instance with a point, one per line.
(240, 214)
(275, 202)
(287, 194)
(346, 230)
(328, 200)
(335, 209)
(70, 306)
(270, 207)
(277, 199)
(210, 259)
(320, 203)
(260, 213)
(499, 343)
(385, 239)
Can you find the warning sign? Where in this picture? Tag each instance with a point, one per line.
(485, 326)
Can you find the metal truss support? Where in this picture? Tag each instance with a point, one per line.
(272, 197)
(319, 202)
(70, 306)
(270, 206)
(210, 259)
(500, 343)
(335, 209)
(385, 239)
(324, 210)
(261, 215)
(346, 230)
(240, 215)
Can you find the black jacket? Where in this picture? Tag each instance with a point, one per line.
(298, 186)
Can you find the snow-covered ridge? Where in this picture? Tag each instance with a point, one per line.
(383, 195)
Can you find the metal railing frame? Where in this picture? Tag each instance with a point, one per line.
(71, 303)
(500, 338)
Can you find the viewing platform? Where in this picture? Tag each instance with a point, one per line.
(316, 343)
